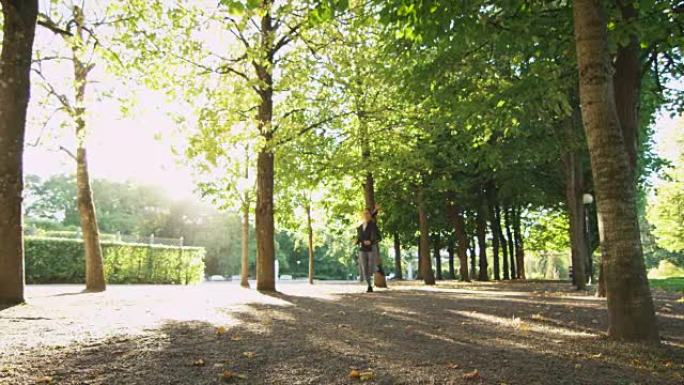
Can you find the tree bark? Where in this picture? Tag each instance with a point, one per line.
(425, 260)
(631, 313)
(244, 260)
(481, 230)
(95, 277)
(309, 229)
(438, 257)
(493, 222)
(504, 245)
(627, 86)
(511, 242)
(456, 214)
(397, 258)
(19, 24)
(574, 189)
(450, 250)
(473, 257)
(265, 229)
(519, 246)
(419, 272)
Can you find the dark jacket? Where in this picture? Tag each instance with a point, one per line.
(371, 233)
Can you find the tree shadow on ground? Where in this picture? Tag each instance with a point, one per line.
(5, 306)
(405, 337)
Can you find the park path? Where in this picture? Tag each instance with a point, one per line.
(214, 333)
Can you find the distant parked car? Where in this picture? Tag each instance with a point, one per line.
(216, 278)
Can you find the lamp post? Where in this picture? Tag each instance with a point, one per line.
(588, 199)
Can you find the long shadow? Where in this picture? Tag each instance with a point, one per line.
(5, 306)
(405, 337)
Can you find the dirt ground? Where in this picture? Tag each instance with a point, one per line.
(216, 333)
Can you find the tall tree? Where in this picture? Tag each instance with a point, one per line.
(425, 260)
(398, 274)
(19, 25)
(511, 242)
(630, 306)
(503, 242)
(81, 40)
(437, 245)
(481, 231)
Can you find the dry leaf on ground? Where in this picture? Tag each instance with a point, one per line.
(198, 362)
(354, 373)
(367, 375)
(229, 375)
(249, 354)
(472, 375)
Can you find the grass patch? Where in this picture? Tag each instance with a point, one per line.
(669, 284)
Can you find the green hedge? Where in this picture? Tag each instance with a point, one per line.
(59, 260)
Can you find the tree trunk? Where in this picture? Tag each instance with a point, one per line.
(244, 270)
(473, 257)
(511, 242)
(19, 24)
(519, 246)
(309, 229)
(397, 258)
(574, 188)
(438, 257)
(419, 272)
(627, 86)
(94, 272)
(630, 306)
(456, 214)
(425, 260)
(265, 230)
(482, 240)
(369, 191)
(504, 245)
(493, 221)
(450, 250)
(95, 278)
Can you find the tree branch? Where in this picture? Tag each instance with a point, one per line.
(45, 21)
(66, 150)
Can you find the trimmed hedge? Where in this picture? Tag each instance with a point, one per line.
(59, 260)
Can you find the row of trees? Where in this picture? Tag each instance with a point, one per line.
(443, 113)
(132, 211)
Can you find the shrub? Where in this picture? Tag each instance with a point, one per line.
(59, 260)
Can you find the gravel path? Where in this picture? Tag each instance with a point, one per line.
(216, 333)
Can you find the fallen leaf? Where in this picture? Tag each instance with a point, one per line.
(236, 338)
(229, 375)
(452, 366)
(249, 354)
(578, 366)
(472, 375)
(354, 374)
(367, 375)
(218, 365)
(594, 321)
(220, 330)
(596, 355)
(681, 300)
(44, 380)
(199, 362)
